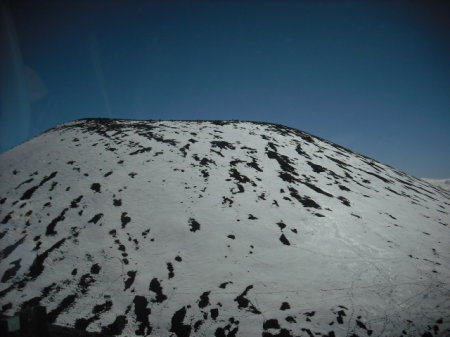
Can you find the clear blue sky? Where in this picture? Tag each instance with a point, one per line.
(373, 76)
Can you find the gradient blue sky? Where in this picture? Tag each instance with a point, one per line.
(373, 76)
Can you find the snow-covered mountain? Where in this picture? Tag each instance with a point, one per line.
(213, 228)
(442, 183)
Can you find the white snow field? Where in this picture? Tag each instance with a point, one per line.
(219, 228)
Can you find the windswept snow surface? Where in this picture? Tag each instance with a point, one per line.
(214, 228)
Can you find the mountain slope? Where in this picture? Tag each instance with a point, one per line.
(185, 228)
(442, 183)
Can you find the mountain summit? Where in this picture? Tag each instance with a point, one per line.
(219, 228)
